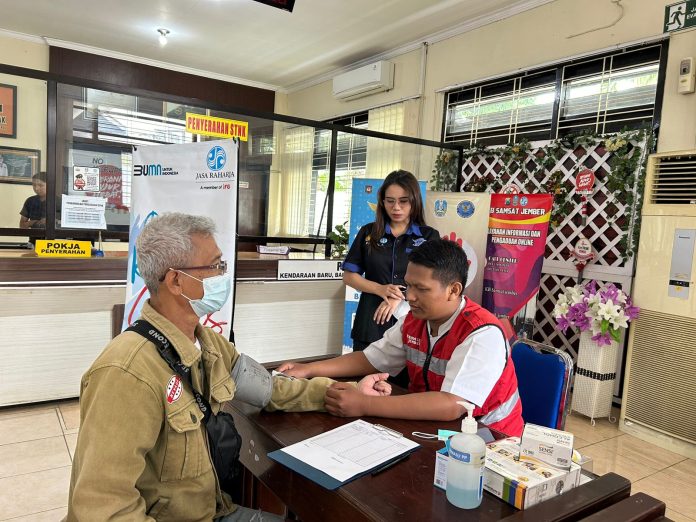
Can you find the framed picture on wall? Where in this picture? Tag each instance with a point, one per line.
(18, 165)
(8, 111)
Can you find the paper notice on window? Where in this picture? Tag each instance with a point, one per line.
(83, 212)
(85, 179)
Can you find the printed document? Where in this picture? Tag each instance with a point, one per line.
(350, 450)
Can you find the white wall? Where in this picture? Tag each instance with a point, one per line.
(535, 37)
(30, 53)
(317, 102)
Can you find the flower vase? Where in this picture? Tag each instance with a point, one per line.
(594, 378)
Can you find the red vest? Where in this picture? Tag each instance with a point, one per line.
(502, 409)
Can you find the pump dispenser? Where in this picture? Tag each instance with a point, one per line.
(467, 457)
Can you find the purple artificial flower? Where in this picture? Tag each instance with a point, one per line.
(602, 338)
(630, 310)
(590, 288)
(563, 323)
(577, 315)
(610, 292)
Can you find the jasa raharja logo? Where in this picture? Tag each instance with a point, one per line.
(216, 158)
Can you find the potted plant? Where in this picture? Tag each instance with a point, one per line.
(600, 313)
(603, 311)
(339, 238)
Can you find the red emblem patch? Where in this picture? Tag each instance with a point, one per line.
(174, 389)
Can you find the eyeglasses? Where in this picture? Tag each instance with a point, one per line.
(220, 266)
(403, 202)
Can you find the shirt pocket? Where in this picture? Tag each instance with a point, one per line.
(186, 453)
(222, 392)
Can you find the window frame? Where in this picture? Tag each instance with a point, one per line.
(52, 80)
(555, 124)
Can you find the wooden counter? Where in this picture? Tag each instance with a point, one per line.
(56, 316)
(23, 266)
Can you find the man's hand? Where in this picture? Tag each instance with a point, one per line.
(345, 400)
(294, 369)
(375, 385)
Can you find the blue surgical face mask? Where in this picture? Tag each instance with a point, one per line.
(216, 291)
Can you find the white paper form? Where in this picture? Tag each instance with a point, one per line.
(350, 450)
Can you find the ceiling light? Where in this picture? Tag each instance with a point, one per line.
(163, 36)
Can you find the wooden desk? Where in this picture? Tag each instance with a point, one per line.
(404, 492)
(636, 508)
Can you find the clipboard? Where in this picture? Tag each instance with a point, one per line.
(345, 453)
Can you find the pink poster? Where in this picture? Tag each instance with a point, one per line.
(517, 229)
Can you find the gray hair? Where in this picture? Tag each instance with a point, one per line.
(165, 242)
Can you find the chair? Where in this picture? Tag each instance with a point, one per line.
(543, 379)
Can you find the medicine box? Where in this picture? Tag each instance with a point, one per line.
(521, 484)
(554, 447)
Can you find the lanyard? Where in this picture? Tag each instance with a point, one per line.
(164, 347)
(429, 355)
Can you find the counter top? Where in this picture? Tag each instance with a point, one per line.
(25, 267)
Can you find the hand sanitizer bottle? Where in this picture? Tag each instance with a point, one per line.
(467, 456)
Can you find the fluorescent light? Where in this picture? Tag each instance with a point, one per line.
(163, 36)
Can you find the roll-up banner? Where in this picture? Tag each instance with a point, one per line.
(363, 204)
(463, 217)
(195, 178)
(517, 230)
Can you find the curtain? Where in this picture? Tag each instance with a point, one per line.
(291, 182)
(384, 156)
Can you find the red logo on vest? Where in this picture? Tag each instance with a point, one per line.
(174, 389)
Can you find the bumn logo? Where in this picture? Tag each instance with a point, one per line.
(147, 170)
(216, 158)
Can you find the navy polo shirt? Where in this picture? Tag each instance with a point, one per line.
(385, 264)
(34, 209)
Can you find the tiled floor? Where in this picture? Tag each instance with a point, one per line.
(37, 444)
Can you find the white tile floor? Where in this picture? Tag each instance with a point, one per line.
(37, 444)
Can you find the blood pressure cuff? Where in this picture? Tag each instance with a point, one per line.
(253, 383)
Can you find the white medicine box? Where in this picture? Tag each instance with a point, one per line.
(546, 445)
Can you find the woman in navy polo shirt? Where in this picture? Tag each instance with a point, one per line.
(377, 259)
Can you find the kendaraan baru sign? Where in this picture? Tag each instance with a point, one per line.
(680, 15)
(63, 248)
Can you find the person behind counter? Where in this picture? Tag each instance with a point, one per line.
(377, 259)
(3, 168)
(143, 451)
(452, 348)
(33, 213)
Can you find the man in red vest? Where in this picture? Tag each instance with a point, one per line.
(454, 350)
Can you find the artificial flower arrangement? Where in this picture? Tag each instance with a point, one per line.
(602, 310)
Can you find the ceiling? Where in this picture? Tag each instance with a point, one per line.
(246, 41)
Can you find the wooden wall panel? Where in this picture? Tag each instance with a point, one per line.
(139, 76)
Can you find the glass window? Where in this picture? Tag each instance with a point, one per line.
(504, 111)
(96, 131)
(599, 94)
(22, 153)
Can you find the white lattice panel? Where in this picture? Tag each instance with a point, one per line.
(605, 216)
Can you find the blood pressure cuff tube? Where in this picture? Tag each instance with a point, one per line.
(254, 383)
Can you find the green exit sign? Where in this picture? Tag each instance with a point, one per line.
(681, 15)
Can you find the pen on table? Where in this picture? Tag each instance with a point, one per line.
(389, 465)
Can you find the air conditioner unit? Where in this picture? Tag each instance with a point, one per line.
(369, 79)
(659, 402)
